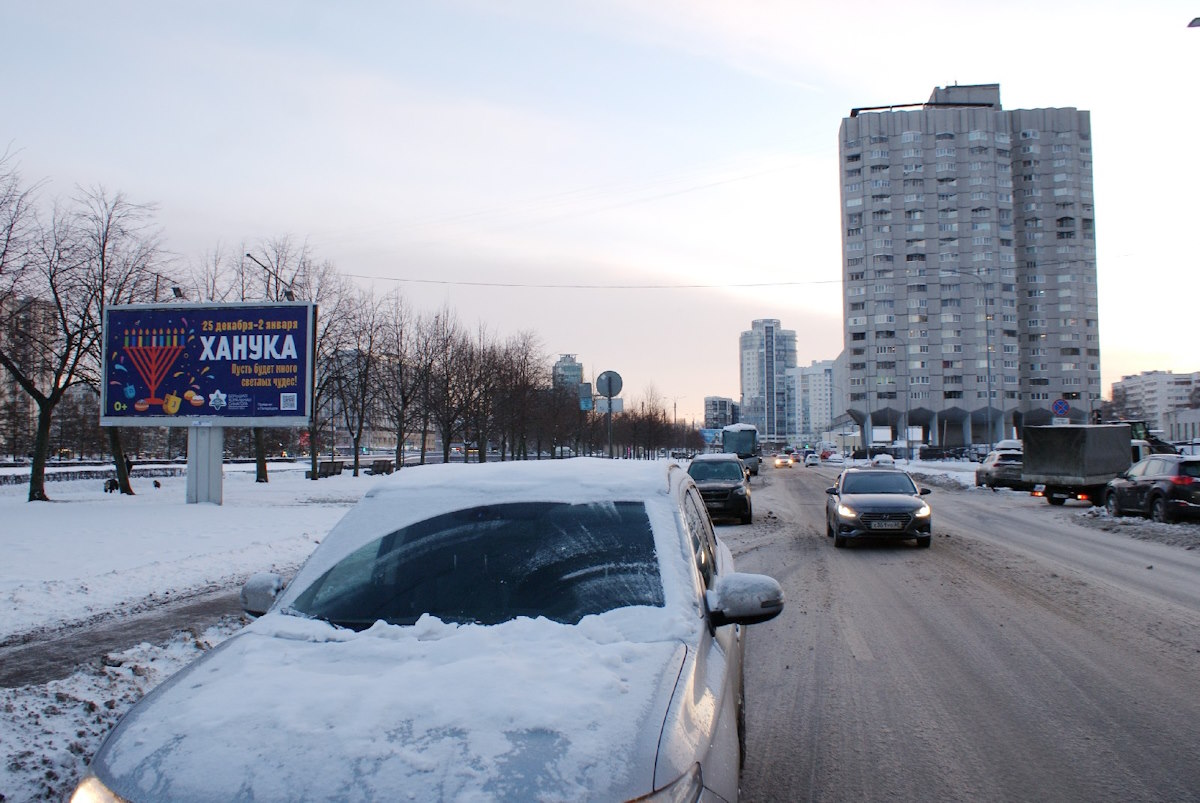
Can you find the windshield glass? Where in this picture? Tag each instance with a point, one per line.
(490, 564)
(881, 482)
(716, 470)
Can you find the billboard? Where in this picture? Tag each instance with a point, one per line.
(247, 364)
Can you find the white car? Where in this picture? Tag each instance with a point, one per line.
(545, 630)
(835, 459)
(813, 459)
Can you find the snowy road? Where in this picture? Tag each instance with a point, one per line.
(1023, 657)
(1031, 653)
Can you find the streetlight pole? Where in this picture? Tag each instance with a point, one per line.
(279, 282)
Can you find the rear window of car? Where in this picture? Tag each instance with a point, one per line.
(494, 563)
(1189, 468)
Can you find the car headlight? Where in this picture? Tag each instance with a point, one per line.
(923, 512)
(847, 512)
(740, 490)
(92, 790)
(686, 787)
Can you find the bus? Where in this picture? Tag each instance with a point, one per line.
(742, 440)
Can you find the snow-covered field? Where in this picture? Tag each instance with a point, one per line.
(89, 555)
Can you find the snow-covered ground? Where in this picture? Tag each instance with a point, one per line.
(89, 555)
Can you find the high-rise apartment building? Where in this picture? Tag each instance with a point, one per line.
(1150, 395)
(969, 265)
(767, 351)
(812, 395)
(567, 371)
(719, 411)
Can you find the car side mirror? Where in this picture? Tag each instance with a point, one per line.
(925, 491)
(743, 599)
(831, 491)
(260, 591)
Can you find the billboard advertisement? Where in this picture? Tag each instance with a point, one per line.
(208, 364)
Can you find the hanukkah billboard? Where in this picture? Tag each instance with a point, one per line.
(246, 365)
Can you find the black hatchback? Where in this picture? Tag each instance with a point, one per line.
(1164, 487)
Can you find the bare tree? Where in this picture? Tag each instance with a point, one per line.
(122, 251)
(449, 391)
(322, 284)
(282, 263)
(354, 364)
(523, 373)
(49, 325)
(425, 346)
(398, 379)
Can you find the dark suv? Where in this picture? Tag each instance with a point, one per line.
(1164, 487)
(724, 485)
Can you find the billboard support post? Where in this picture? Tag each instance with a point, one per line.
(206, 456)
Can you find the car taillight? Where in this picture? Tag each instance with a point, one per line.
(1182, 480)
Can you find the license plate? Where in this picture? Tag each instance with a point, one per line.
(887, 525)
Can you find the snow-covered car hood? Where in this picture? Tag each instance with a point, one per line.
(294, 709)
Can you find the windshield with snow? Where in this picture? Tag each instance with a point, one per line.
(494, 563)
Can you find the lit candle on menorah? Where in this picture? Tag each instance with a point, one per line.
(153, 352)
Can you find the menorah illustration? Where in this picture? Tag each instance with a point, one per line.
(153, 352)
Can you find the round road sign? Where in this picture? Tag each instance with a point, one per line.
(608, 384)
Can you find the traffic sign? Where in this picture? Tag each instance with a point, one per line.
(609, 384)
(1060, 408)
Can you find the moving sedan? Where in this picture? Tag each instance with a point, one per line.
(552, 630)
(877, 503)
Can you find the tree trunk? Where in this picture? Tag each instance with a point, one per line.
(260, 456)
(41, 445)
(313, 457)
(424, 436)
(119, 462)
(356, 440)
(481, 445)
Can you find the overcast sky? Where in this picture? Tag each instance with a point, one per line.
(635, 180)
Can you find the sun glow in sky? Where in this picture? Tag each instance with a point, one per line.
(633, 181)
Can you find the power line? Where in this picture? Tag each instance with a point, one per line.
(539, 286)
